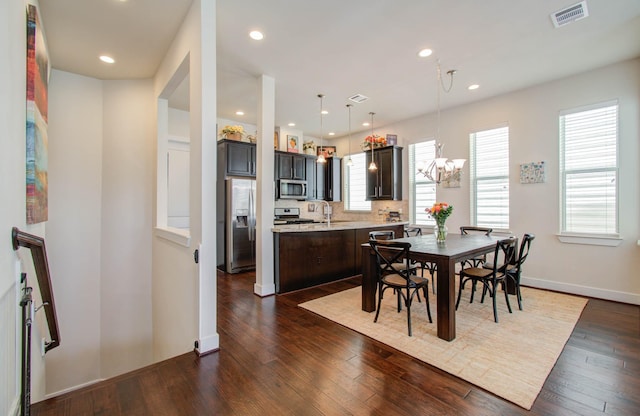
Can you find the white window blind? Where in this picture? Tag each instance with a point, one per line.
(489, 171)
(589, 170)
(355, 184)
(423, 190)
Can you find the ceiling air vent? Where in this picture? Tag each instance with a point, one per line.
(570, 14)
(358, 98)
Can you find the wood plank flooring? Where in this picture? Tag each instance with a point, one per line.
(278, 359)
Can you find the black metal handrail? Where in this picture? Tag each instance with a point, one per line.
(41, 265)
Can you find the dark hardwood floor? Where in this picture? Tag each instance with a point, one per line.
(278, 359)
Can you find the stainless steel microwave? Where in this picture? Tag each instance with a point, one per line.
(292, 189)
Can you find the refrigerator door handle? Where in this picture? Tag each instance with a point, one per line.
(252, 217)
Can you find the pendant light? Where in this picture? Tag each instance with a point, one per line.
(372, 165)
(349, 161)
(321, 158)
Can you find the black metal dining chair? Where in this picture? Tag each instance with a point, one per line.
(514, 271)
(393, 271)
(424, 265)
(491, 278)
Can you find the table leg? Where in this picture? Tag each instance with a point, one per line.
(446, 297)
(369, 283)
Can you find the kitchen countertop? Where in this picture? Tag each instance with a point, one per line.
(335, 225)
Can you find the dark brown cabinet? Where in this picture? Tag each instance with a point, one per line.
(305, 259)
(385, 183)
(333, 179)
(290, 166)
(239, 158)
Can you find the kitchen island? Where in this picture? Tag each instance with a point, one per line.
(312, 254)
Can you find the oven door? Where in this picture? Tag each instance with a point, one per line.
(292, 189)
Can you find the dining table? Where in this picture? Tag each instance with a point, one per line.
(445, 256)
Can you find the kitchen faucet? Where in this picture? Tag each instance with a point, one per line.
(328, 211)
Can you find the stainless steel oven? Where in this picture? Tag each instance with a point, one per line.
(292, 189)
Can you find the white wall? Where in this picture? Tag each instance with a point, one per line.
(532, 116)
(12, 188)
(73, 229)
(126, 227)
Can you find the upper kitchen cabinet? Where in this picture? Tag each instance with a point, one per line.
(333, 179)
(290, 166)
(239, 158)
(385, 183)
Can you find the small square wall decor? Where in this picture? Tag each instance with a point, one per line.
(532, 172)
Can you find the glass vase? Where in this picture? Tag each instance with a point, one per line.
(440, 231)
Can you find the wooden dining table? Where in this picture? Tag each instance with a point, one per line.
(445, 255)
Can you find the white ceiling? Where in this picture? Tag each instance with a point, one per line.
(343, 47)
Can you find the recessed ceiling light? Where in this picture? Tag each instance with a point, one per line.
(256, 35)
(473, 87)
(425, 52)
(239, 113)
(332, 133)
(366, 123)
(291, 124)
(107, 59)
(325, 112)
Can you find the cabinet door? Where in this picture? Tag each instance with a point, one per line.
(320, 179)
(241, 159)
(299, 167)
(384, 160)
(291, 166)
(333, 179)
(372, 178)
(312, 192)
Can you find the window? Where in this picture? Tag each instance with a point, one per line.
(422, 190)
(489, 172)
(355, 184)
(589, 170)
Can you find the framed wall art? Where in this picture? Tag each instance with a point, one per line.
(293, 144)
(327, 151)
(532, 172)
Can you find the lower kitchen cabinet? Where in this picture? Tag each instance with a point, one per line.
(306, 259)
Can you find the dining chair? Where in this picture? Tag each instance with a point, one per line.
(514, 271)
(491, 278)
(468, 229)
(393, 271)
(424, 265)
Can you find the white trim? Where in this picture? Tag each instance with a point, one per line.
(593, 292)
(208, 344)
(594, 240)
(74, 388)
(264, 290)
(14, 410)
(176, 235)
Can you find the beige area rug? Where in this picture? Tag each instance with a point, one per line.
(511, 359)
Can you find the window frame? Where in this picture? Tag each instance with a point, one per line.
(588, 237)
(473, 178)
(346, 171)
(416, 179)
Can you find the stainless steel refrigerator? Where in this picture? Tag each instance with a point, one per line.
(240, 223)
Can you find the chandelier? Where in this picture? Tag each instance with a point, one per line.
(442, 169)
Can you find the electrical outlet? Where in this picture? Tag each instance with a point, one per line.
(380, 212)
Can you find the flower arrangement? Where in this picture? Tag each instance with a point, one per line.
(373, 140)
(308, 145)
(440, 211)
(227, 130)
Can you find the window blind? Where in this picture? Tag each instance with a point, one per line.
(355, 184)
(489, 171)
(589, 170)
(423, 190)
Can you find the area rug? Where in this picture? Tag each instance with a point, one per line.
(511, 359)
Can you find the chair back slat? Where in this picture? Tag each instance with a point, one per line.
(382, 235)
(390, 256)
(467, 229)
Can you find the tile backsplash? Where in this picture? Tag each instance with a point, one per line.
(379, 210)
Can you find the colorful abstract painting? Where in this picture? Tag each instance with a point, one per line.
(37, 119)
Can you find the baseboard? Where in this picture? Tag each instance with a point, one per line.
(592, 292)
(208, 345)
(70, 389)
(264, 290)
